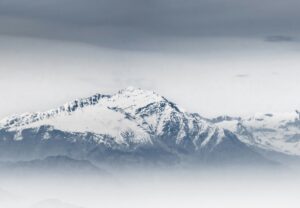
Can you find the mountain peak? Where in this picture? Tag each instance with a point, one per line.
(131, 88)
(134, 98)
(135, 91)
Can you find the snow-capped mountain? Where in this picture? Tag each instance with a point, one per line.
(133, 123)
(137, 112)
(271, 131)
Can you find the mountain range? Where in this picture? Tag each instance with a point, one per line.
(140, 127)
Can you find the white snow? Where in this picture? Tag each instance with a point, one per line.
(270, 131)
(116, 114)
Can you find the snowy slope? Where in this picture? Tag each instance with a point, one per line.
(94, 114)
(274, 131)
(134, 124)
(139, 112)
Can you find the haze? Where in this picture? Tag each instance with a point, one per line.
(211, 57)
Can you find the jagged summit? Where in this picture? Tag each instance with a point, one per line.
(133, 90)
(129, 99)
(140, 93)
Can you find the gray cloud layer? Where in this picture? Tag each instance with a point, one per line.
(124, 22)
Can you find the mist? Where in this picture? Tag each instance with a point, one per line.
(160, 103)
(229, 80)
(231, 188)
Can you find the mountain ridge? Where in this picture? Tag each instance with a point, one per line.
(272, 131)
(131, 125)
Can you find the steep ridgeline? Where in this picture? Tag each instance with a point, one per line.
(279, 132)
(132, 126)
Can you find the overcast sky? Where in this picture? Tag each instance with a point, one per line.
(210, 56)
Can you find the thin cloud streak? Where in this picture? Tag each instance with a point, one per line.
(280, 38)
